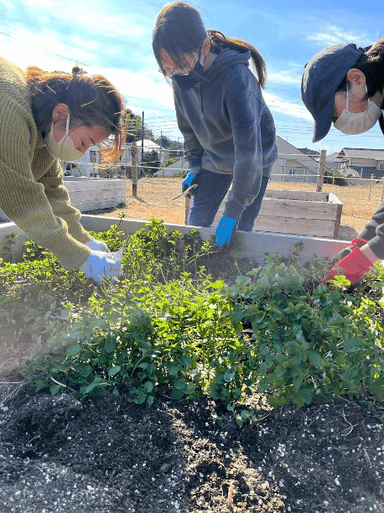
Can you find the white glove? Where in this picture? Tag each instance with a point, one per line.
(97, 245)
(100, 265)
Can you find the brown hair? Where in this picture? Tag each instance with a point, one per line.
(92, 100)
(371, 63)
(179, 29)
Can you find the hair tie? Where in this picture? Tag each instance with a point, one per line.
(78, 71)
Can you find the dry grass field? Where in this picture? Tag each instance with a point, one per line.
(154, 199)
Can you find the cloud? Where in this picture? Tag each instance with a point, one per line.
(92, 17)
(46, 49)
(145, 90)
(332, 35)
(281, 76)
(283, 106)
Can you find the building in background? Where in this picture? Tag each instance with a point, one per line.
(293, 165)
(365, 162)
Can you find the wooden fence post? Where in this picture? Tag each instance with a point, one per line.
(187, 208)
(370, 186)
(320, 178)
(135, 173)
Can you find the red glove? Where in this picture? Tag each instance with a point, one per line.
(355, 243)
(353, 267)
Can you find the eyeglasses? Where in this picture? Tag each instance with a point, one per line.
(180, 71)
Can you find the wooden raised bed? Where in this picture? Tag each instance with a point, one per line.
(95, 193)
(252, 245)
(314, 214)
(92, 193)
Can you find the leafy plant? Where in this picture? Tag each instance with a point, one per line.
(321, 344)
(169, 327)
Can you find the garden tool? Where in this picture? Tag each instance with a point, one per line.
(189, 191)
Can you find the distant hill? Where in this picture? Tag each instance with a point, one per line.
(308, 151)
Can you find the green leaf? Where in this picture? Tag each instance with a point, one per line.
(71, 351)
(148, 386)
(276, 402)
(114, 370)
(110, 344)
(84, 370)
(55, 389)
(97, 382)
(173, 369)
(40, 384)
(180, 384)
(229, 375)
(177, 394)
(185, 361)
(316, 359)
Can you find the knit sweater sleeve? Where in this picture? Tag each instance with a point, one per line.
(25, 200)
(58, 197)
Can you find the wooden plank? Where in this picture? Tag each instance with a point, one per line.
(315, 214)
(298, 209)
(293, 226)
(297, 195)
(93, 193)
(11, 248)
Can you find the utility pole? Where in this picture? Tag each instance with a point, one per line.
(135, 173)
(320, 178)
(161, 145)
(142, 134)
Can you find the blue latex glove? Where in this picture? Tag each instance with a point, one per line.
(97, 245)
(224, 230)
(189, 180)
(101, 265)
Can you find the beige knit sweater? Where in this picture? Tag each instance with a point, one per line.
(32, 192)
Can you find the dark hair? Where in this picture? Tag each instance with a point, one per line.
(92, 100)
(179, 29)
(371, 63)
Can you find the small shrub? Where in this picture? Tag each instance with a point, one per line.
(169, 327)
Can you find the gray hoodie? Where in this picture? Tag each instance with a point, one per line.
(228, 128)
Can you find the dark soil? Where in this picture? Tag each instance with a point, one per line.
(107, 454)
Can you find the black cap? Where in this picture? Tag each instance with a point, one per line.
(321, 78)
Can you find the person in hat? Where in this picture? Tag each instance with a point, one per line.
(229, 132)
(344, 85)
(46, 117)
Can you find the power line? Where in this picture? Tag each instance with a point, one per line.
(44, 49)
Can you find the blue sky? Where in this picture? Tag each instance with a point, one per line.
(113, 37)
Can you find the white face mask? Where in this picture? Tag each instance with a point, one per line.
(353, 123)
(63, 149)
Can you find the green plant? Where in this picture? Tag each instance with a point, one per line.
(321, 344)
(168, 162)
(169, 327)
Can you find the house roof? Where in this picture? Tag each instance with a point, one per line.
(287, 151)
(148, 145)
(336, 157)
(349, 171)
(377, 154)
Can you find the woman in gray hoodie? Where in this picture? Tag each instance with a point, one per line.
(229, 132)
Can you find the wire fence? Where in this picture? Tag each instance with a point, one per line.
(305, 171)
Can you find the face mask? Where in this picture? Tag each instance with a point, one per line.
(186, 82)
(354, 123)
(63, 149)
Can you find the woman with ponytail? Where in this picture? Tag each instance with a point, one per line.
(229, 132)
(344, 85)
(44, 118)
